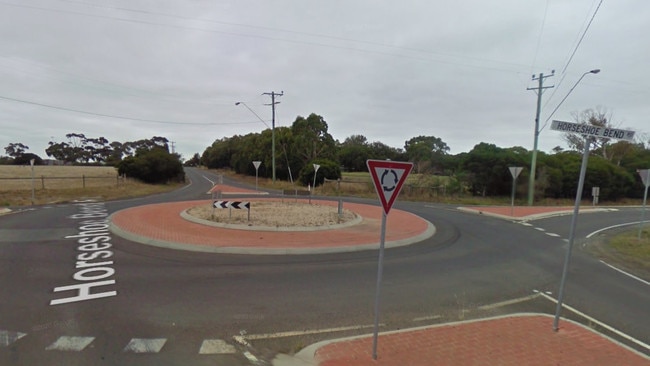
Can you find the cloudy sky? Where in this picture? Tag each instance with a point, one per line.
(389, 70)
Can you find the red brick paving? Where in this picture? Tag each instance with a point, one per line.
(509, 341)
(163, 222)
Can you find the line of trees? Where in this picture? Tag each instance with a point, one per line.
(148, 160)
(483, 171)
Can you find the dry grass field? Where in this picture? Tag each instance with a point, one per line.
(58, 184)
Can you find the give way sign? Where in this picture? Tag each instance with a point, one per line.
(388, 178)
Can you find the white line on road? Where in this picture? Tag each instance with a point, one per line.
(66, 343)
(208, 179)
(508, 302)
(216, 346)
(143, 345)
(608, 327)
(425, 318)
(614, 226)
(625, 273)
(7, 337)
(539, 229)
(252, 337)
(553, 235)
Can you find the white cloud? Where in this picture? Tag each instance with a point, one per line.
(387, 70)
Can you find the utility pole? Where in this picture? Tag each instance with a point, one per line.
(540, 89)
(273, 103)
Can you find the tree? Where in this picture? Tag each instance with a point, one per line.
(598, 117)
(311, 139)
(16, 149)
(153, 166)
(194, 161)
(353, 153)
(423, 150)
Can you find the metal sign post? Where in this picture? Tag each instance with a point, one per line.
(256, 164)
(514, 171)
(589, 132)
(645, 177)
(316, 167)
(388, 178)
(31, 163)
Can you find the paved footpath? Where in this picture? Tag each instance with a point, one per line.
(520, 339)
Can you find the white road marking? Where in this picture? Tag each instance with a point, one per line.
(7, 337)
(251, 357)
(508, 302)
(608, 327)
(425, 318)
(66, 343)
(625, 273)
(525, 223)
(145, 345)
(208, 179)
(553, 235)
(252, 337)
(614, 226)
(539, 229)
(216, 346)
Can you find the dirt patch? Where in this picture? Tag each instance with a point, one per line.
(276, 214)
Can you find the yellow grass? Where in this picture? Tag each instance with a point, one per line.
(57, 184)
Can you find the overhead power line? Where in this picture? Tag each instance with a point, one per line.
(123, 117)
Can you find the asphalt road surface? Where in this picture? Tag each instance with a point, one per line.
(69, 297)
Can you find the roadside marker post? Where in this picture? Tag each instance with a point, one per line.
(256, 164)
(514, 171)
(388, 178)
(589, 132)
(645, 177)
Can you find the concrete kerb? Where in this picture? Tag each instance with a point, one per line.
(429, 232)
(185, 215)
(306, 356)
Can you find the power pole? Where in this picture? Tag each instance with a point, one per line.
(273, 103)
(540, 89)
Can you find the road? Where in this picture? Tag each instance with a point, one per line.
(151, 306)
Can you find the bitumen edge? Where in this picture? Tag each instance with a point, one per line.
(306, 356)
(479, 211)
(429, 232)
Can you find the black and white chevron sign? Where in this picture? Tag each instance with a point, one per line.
(232, 204)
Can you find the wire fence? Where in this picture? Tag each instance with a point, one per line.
(53, 182)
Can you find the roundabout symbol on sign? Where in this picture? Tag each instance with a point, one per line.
(394, 182)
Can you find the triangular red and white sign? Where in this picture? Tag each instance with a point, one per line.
(388, 177)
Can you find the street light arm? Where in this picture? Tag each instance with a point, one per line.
(594, 71)
(252, 111)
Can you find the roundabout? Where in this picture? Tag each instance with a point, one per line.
(169, 225)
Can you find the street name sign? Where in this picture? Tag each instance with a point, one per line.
(594, 131)
(388, 178)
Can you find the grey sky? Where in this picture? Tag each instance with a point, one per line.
(387, 70)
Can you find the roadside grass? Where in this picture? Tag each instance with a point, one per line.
(628, 245)
(60, 184)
